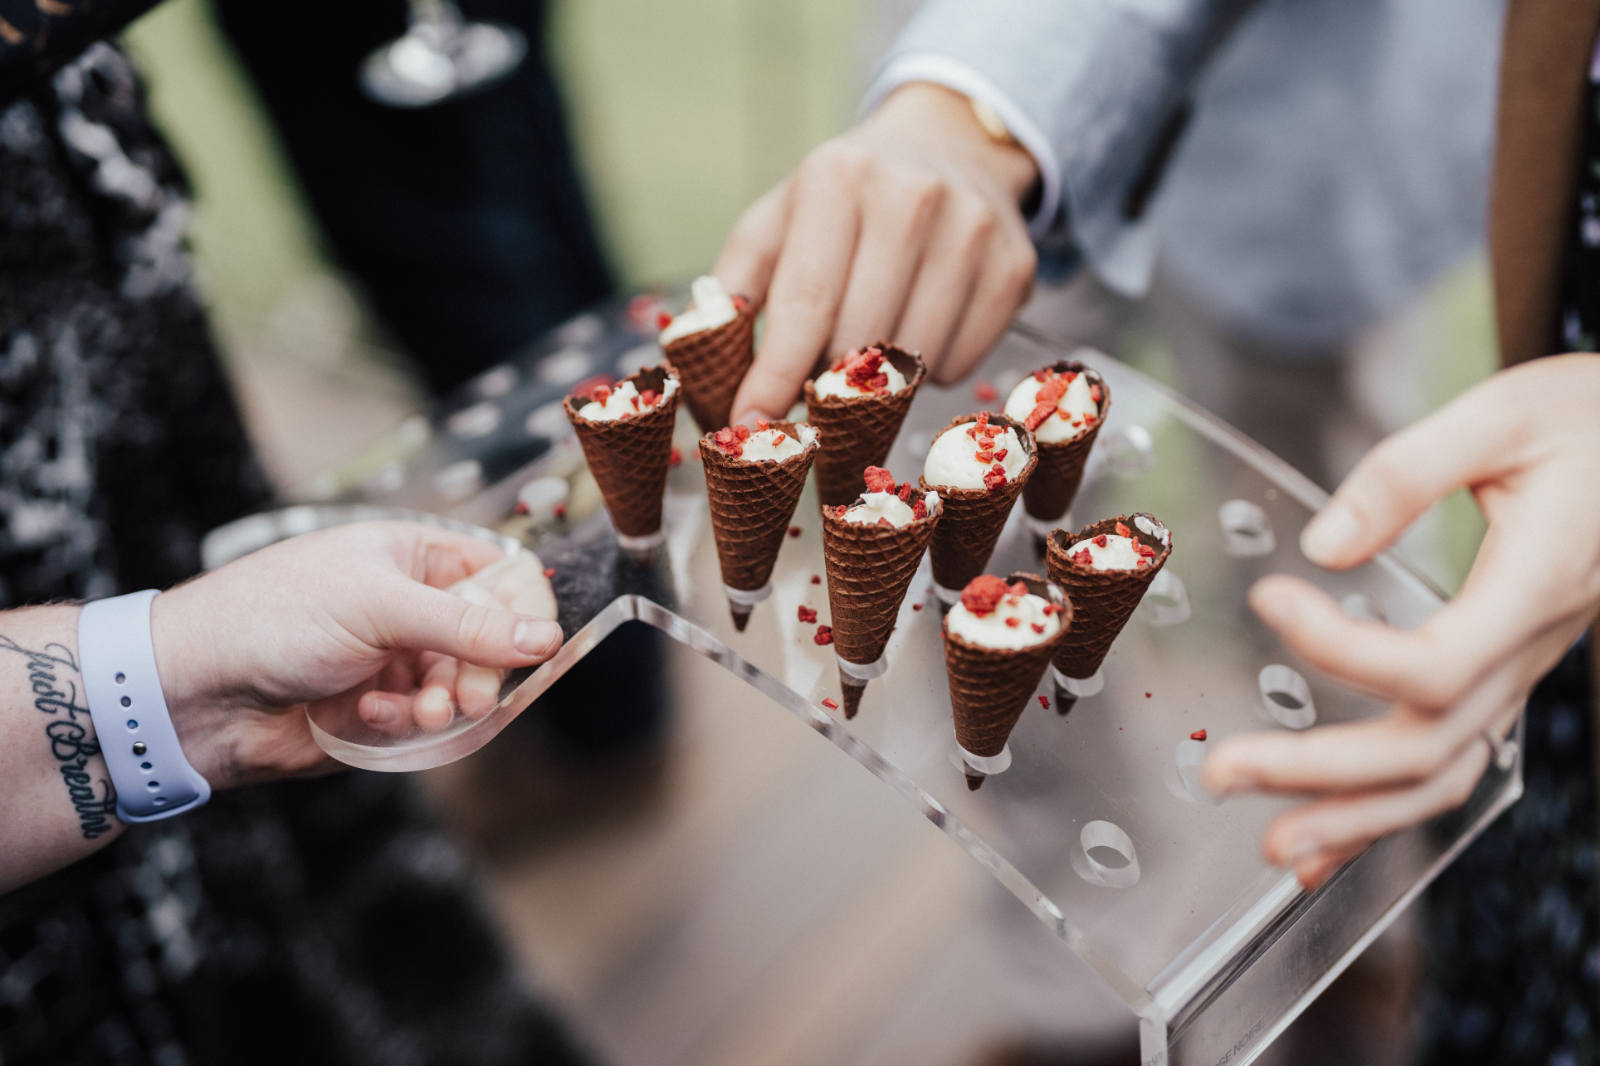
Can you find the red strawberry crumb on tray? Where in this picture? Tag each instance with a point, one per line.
(675, 457)
(1198, 734)
(816, 579)
(808, 614)
(823, 636)
(916, 606)
(984, 392)
(794, 531)
(560, 510)
(1044, 701)
(831, 704)
(549, 571)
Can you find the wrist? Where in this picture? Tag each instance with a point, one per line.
(929, 107)
(200, 706)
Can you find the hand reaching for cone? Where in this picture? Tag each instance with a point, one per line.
(1526, 444)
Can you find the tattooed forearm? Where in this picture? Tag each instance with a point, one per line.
(55, 680)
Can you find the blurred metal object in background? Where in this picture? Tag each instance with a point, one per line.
(440, 55)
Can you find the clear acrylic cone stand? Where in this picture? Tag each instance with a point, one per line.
(1099, 824)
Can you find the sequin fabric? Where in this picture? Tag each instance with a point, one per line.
(328, 921)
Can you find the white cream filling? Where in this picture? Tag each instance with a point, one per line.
(878, 505)
(952, 460)
(835, 383)
(991, 630)
(710, 306)
(1119, 553)
(1068, 419)
(624, 402)
(774, 443)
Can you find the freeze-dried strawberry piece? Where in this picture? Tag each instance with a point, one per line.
(762, 425)
(1198, 734)
(1044, 701)
(904, 493)
(1094, 393)
(728, 442)
(823, 636)
(600, 393)
(1014, 622)
(807, 614)
(1123, 530)
(663, 320)
(984, 392)
(560, 510)
(983, 594)
(816, 579)
(794, 531)
(1083, 557)
(916, 606)
(649, 397)
(675, 456)
(919, 509)
(1017, 588)
(995, 477)
(549, 571)
(831, 704)
(1100, 541)
(740, 304)
(863, 369)
(1045, 401)
(878, 479)
(1038, 627)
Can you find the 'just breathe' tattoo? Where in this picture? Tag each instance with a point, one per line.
(54, 677)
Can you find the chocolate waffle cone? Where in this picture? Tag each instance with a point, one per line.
(850, 691)
(1049, 493)
(751, 505)
(710, 366)
(869, 568)
(974, 517)
(858, 431)
(628, 457)
(991, 687)
(1103, 600)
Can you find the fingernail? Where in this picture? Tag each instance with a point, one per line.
(536, 636)
(1330, 534)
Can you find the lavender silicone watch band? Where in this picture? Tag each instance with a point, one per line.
(152, 778)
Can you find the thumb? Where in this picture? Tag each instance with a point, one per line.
(1465, 442)
(417, 617)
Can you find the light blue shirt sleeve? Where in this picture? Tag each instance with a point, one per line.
(1084, 85)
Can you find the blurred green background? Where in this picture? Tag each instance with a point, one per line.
(682, 114)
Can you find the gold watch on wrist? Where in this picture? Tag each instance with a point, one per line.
(994, 127)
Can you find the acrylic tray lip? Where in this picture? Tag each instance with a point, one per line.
(1177, 994)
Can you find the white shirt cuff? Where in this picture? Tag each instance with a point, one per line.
(955, 75)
